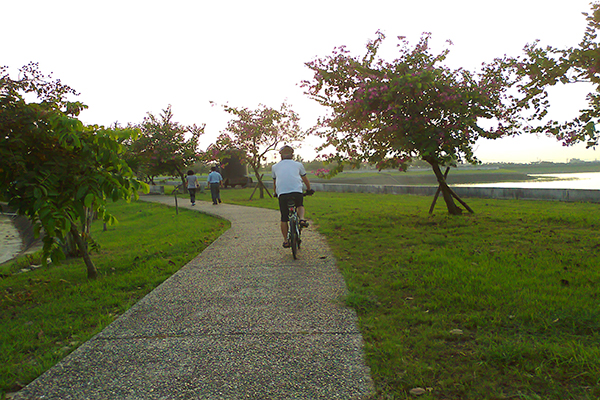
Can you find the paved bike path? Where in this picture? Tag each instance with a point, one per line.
(243, 320)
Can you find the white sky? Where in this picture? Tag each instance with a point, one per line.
(130, 57)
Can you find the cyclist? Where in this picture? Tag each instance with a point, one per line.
(288, 176)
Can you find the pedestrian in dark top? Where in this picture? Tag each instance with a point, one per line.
(192, 186)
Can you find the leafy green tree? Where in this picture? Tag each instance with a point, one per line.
(53, 169)
(166, 147)
(548, 67)
(389, 113)
(132, 154)
(253, 133)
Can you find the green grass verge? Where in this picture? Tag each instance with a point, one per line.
(47, 313)
(502, 304)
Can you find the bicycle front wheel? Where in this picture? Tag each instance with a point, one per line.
(294, 238)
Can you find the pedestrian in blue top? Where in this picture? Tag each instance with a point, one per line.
(215, 180)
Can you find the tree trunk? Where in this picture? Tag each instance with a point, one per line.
(92, 272)
(447, 193)
(69, 245)
(437, 192)
(261, 185)
(90, 216)
(183, 183)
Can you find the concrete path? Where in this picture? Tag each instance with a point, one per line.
(243, 320)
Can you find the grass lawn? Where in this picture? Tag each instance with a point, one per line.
(47, 313)
(502, 304)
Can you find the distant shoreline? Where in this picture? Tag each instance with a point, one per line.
(464, 175)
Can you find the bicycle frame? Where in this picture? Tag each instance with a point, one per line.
(294, 228)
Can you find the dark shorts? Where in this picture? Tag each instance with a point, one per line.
(283, 204)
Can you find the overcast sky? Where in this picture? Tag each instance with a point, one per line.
(130, 57)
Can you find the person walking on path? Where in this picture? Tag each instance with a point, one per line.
(288, 176)
(192, 186)
(215, 181)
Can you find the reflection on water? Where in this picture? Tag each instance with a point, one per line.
(584, 180)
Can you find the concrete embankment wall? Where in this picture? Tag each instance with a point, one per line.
(581, 195)
(23, 225)
(575, 195)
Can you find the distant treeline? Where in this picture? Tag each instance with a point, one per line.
(541, 167)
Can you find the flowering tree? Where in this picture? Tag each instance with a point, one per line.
(54, 170)
(163, 148)
(546, 67)
(388, 113)
(254, 133)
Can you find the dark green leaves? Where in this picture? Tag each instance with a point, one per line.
(53, 169)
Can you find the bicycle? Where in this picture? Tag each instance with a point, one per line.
(294, 236)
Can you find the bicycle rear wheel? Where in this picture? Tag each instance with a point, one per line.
(294, 237)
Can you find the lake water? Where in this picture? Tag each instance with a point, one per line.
(585, 180)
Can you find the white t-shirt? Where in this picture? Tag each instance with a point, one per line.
(288, 176)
